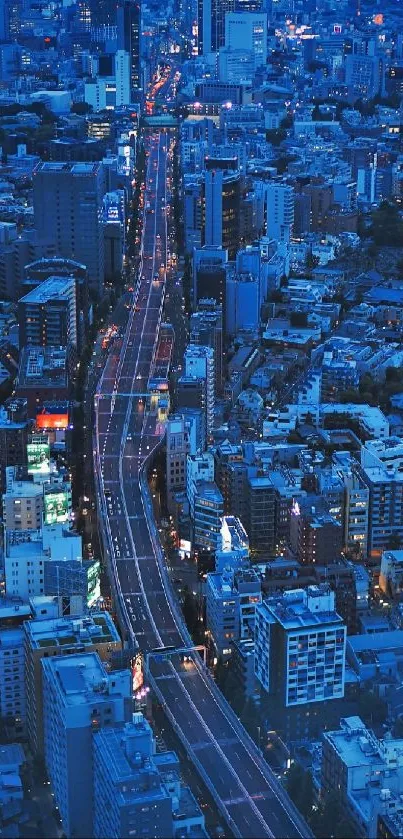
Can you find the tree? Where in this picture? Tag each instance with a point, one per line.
(371, 707)
(276, 136)
(387, 225)
(81, 108)
(300, 788)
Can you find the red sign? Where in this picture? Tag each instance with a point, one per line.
(49, 421)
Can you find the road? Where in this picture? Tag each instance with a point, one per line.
(126, 434)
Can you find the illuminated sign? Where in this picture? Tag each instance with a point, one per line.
(378, 20)
(52, 421)
(56, 506)
(38, 454)
(295, 509)
(137, 672)
(94, 583)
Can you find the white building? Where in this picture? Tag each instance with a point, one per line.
(27, 551)
(80, 697)
(247, 31)
(300, 646)
(279, 211)
(199, 364)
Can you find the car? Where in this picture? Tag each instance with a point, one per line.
(129, 437)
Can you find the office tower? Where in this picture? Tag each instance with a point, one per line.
(209, 275)
(80, 697)
(4, 21)
(46, 637)
(68, 212)
(211, 24)
(222, 203)
(365, 75)
(300, 649)
(130, 797)
(103, 13)
(199, 364)
(206, 328)
(177, 449)
(261, 513)
(122, 76)
(279, 211)
(242, 309)
(211, 16)
(129, 40)
(208, 511)
(47, 315)
(247, 31)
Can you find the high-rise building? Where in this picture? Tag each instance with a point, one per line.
(80, 698)
(206, 329)
(68, 211)
(129, 40)
(247, 31)
(47, 637)
(177, 449)
(222, 204)
(14, 428)
(208, 511)
(130, 797)
(199, 364)
(211, 16)
(209, 274)
(300, 649)
(279, 211)
(47, 315)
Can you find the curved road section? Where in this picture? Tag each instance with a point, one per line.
(127, 432)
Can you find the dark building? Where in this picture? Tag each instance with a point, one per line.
(261, 515)
(211, 20)
(206, 330)
(14, 429)
(316, 537)
(129, 39)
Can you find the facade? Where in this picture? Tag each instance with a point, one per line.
(206, 327)
(80, 697)
(199, 467)
(47, 638)
(12, 679)
(279, 211)
(199, 364)
(27, 551)
(177, 449)
(261, 514)
(47, 316)
(68, 212)
(130, 797)
(366, 771)
(247, 30)
(222, 203)
(300, 647)
(129, 40)
(23, 505)
(208, 511)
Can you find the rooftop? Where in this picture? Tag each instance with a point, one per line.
(95, 629)
(53, 288)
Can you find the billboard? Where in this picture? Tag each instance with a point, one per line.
(52, 421)
(137, 672)
(94, 583)
(38, 454)
(56, 506)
